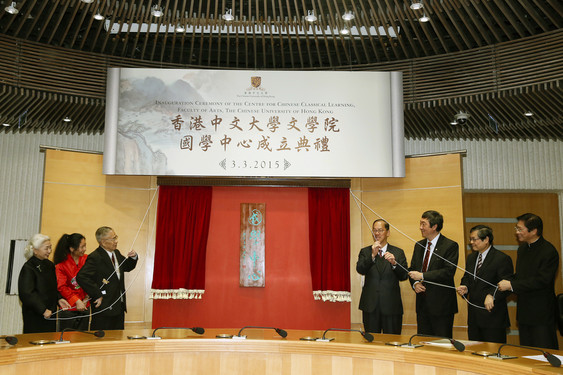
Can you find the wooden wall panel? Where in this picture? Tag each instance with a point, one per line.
(77, 197)
(499, 211)
(431, 183)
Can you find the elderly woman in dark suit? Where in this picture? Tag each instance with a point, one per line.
(37, 286)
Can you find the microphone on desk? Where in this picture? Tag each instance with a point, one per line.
(458, 345)
(279, 331)
(366, 335)
(12, 340)
(198, 330)
(553, 360)
(98, 333)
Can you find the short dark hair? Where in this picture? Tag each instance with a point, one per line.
(532, 221)
(483, 232)
(384, 223)
(434, 218)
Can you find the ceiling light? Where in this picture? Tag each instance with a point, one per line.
(461, 118)
(12, 8)
(67, 119)
(345, 31)
(424, 18)
(156, 11)
(310, 17)
(228, 16)
(6, 124)
(180, 28)
(528, 113)
(348, 16)
(416, 4)
(98, 16)
(454, 122)
(88, 1)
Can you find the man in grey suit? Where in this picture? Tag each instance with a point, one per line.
(103, 278)
(383, 266)
(487, 314)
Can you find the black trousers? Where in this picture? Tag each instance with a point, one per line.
(109, 322)
(539, 336)
(435, 325)
(375, 322)
(488, 334)
(74, 319)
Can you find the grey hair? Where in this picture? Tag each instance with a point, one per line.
(102, 232)
(35, 242)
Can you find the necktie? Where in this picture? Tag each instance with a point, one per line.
(380, 253)
(479, 262)
(115, 266)
(426, 258)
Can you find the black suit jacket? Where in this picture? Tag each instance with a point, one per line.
(497, 266)
(381, 286)
(437, 300)
(98, 267)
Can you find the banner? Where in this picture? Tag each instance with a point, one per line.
(261, 123)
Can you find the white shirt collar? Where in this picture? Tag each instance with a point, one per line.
(433, 242)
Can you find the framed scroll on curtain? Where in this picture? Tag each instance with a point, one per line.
(252, 245)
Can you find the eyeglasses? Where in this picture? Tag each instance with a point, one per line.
(473, 239)
(112, 239)
(518, 229)
(379, 230)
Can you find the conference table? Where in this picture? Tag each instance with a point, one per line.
(181, 351)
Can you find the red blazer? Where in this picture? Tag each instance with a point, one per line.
(66, 279)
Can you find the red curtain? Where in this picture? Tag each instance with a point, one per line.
(182, 228)
(329, 243)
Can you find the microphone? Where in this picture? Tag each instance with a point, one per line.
(366, 335)
(553, 360)
(198, 330)
(99, 333)
(279, 331)
(12, 340)
(458, 345)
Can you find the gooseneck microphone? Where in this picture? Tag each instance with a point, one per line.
(12, 340)
(99, 333)
(279, 331)
(366, 335)
(553, 360)
(458, 345)
(198, 330)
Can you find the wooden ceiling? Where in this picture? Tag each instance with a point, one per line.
(488, 58)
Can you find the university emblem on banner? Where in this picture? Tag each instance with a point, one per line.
(255, 81)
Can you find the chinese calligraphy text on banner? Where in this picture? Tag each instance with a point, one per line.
(242, 123)
(252, 245)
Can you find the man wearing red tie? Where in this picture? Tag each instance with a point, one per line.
(434, 261)
(102, 278)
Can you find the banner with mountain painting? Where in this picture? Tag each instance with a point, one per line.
(254, 123)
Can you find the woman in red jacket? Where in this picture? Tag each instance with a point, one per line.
(69, 258)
